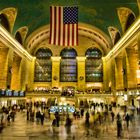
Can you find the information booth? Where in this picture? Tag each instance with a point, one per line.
(63, 110)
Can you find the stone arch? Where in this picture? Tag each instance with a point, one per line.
(114, 34)
(21, 34)
(40, 37)
(131, 18)
(123, 14)
(18, 38)
(11, 14)
(117, 37)
(4, 22)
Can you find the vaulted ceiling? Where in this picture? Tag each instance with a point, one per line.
(99, 13)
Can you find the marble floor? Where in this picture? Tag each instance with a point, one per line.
(22, 129)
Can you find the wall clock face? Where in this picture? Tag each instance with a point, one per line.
(55, 78)
(81, 78)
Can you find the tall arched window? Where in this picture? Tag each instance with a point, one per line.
(43, 65)
(68, 65)
(93, 66)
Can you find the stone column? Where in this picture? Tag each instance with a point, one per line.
(55, 71)
(30, 68)
(138, 46)
(119, 73)
(23, 74)
(113, 78)
(15, 80)
(125, 72)
(3, 67)
(9, 69)
(131, 65)
(138, 60)
(106, 74)
(81, 73)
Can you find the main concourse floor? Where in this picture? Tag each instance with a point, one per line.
(22, 129)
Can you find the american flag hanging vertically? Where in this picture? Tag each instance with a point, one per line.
(64, 26)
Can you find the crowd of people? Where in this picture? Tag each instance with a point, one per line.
(7, 114)
(94, 116)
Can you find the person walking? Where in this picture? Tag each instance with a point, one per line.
(42, 116)
(82, 112)
(112, 116)
(68, 124)
(28, 114)
(87, 119)
(127, 119)
(12, 115)
(119, 126)
(57, 117)
(38, 116)
(8, 119)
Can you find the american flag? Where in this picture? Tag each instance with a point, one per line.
(64, 25)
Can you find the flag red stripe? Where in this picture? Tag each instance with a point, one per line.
(68, 41)
(59, 22)
(55, 15)
(50, 24)
(63, 35)
(73, 35)
(76, 34)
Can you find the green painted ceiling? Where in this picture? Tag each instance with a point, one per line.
(100, 13)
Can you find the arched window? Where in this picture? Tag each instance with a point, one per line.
(130, 20)
(4, 22)
(93, 65)
(68, 65)
(43, 65)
